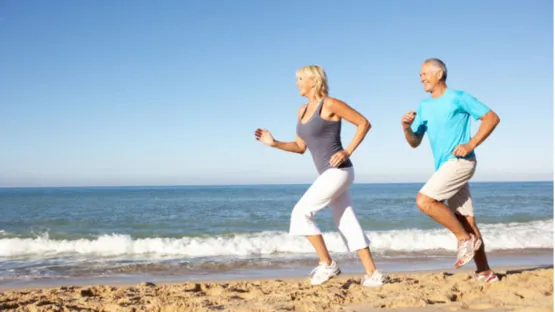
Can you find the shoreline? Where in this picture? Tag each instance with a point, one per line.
(468, 270)
(349, 264)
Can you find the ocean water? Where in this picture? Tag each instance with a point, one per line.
(121, 233)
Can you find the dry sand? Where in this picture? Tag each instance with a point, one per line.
(519, 290)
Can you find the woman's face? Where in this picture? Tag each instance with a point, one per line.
(304, 84)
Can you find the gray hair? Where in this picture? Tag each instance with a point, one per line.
(439, 65)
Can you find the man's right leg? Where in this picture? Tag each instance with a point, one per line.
(443, 185)
(442, 214)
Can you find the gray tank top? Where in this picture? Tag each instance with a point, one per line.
(323, 139)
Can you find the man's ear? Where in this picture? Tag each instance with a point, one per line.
(440, 75)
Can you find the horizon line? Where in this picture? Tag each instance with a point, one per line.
(247, 184)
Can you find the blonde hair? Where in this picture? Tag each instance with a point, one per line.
(318, 75)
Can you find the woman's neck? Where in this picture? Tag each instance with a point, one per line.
(313, 98)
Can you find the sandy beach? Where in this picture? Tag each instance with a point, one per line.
(520, 289)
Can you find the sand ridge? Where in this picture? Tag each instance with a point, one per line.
(518, 290)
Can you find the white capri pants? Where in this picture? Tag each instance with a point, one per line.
(330, 188)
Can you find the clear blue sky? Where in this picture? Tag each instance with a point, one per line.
(157, 93)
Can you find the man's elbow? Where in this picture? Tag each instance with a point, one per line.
(494, 118)
(415, 140)
(412, 143)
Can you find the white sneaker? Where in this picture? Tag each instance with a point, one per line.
(323, 272)
(466, 250)
(372, 281)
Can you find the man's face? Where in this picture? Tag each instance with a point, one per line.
(430, 77)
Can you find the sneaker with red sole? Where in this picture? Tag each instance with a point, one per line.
(466, 251)
(491, 277)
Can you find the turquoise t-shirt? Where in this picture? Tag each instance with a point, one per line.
(447, 121)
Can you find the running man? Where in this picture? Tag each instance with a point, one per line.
(445, 117)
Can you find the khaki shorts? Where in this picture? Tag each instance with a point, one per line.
(450, 182)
